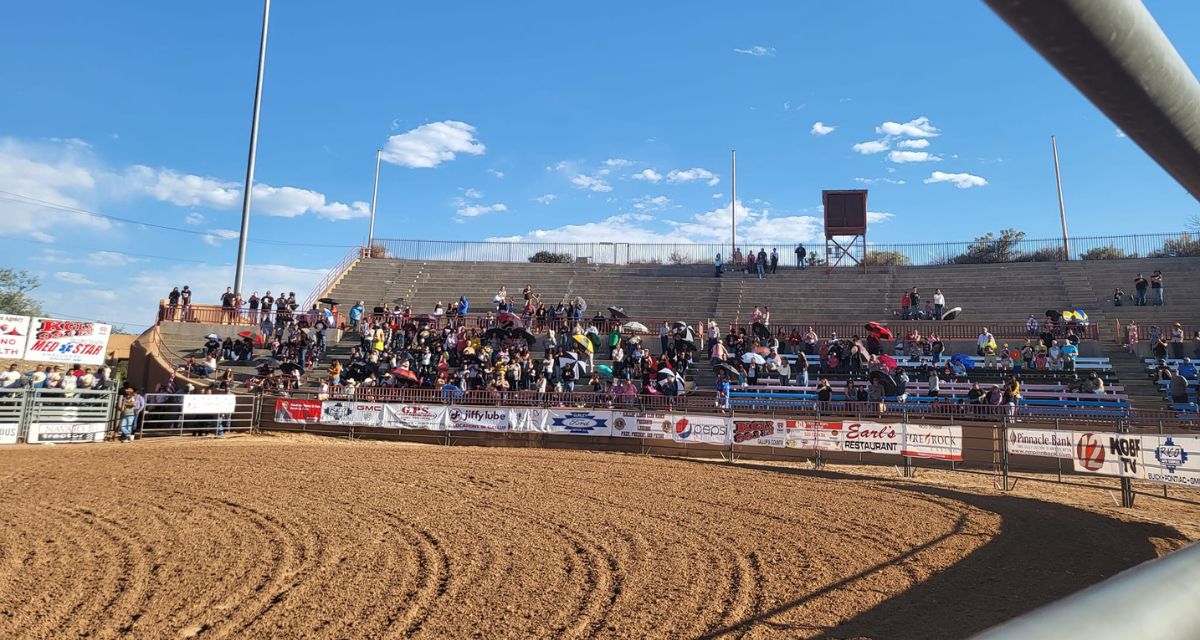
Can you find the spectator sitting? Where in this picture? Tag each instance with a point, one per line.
(1187, 369)
(1178, 388)
(1118, 298)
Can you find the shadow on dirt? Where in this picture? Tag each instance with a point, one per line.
(1044, 551)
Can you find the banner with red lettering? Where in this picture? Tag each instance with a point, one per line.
(935, 442)
(699, 429)
(297, 411)
(67, 341)
(14, 333)
(432, 417)
(761, 432)
(352, 412)
(870, 437)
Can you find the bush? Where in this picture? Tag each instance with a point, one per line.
(988, 249)
(1048, 254)
(1103, 253)
(886, 259)
(377, 251)
(677, 258)
(552, 258)
(1184, 247)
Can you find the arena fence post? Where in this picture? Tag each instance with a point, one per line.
(1003, 430)
(1057, 427)
(1126, 483)
(1160, 432)
(909, 471)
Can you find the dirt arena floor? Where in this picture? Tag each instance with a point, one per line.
(294, 536)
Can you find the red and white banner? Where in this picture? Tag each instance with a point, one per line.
(351, 412)
(67, 341)
(65, 432)
(650, 425)
(297, 411)
(14, 334)
(479, 419)
(431, 417)
(1048, 443)
(699, 429)
(763, 432)
(1110, 454)
(930, 441)
(870, 437)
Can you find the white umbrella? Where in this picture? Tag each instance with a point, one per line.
(635, 326)
(749, 357)
(213, 336)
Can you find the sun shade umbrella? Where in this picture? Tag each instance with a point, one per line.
(327, 301)
(635, 326)
(678, 325)
(889, 383)
(966, 360)
(1081, 316)
(753, 357)
(212, 336)
(878, 330)
(727, 368)
(267, 360)
(950, 314)
(617, 312)
(604, 370)
(245, 334)
(522, 334)
(685, 339)
(581, 303)
(406, 375)
(1053, 314)
(569, 361)
(760, 331)
(584, 342)
(665, 373)
(495, 333)
(888, 362)
(289, 367)
(509, 320)
(425, 317)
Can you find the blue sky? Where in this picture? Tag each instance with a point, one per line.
(531, 120)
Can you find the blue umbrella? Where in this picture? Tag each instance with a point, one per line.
(604, 370)
(966, 361)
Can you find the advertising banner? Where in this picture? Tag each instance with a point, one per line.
(14, 333)
(871, 437)
(8, 432)
(480, 419)
(66, 341)
(1110, 454)
(1172, 459)
(210, 404)
(763, 432)
(65, 432)
(582, 422)
(699, 429)
(801, 434)
(351, 412)
(1048, 443)
(936, 442)
(650, 425)
(297, 411)
(415, 416)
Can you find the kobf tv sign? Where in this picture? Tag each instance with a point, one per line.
(1110, 454)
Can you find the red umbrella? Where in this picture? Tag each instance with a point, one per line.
(245, 334)
(888, 362)
(509, 320)
(405, 374)
(878, 330)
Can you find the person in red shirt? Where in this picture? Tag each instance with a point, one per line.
(904, 304)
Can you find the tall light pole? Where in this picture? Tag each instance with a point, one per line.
(1062, 209)
(374, 197)
(245, 231)
(733, 209)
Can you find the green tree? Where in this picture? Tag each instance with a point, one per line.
(886, 259)
(14, 293)
(550, 257)
(989, 248)
(1104, 253)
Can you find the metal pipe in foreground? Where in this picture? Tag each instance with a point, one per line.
(1155, 599)
(1115, 53)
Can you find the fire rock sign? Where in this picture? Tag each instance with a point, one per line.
(1110, 454)
(67, 342)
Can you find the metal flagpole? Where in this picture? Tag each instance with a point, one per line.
(262, 60)
(733, 209)
(374, 197)
(1062, 210)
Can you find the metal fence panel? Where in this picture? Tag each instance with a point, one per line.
(12, 414)
(176, 415)
(66, 416)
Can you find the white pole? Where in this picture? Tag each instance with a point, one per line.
(1062, 210)
(245, 231)
(733, 208)
(374, 197)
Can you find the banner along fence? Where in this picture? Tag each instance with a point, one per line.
(58, 416)
(182, 414)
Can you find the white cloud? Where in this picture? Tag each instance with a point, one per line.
(651, 203)
(473, 193)
(649, 175)
(591, 183)
(215, 236)
(110, 259)
(70, 277)
(917, 128)
(431, 144)
(617, 162)
(289, 202)
(916, 143)
(878, 217)
(821, 129)
(883, 180)
(873, 146)
(960, 180)
(901, 157)
(60, 172)
(695, 173)
(546, 199)
(1121, 134)
(622, 228)
(757, 51)
(498, 174)
(755, 227)
(718, 196)
(474, 210)
(194, 218)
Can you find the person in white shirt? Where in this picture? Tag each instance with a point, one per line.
(935, 384)
(939, 304)
(10, 379)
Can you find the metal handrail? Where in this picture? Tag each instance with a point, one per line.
(332, 276)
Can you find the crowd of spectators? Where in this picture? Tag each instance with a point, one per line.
(74, 377)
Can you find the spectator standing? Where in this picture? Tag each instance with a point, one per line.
(939, 304)
(717, 264)
(173, 303)
(268, 302)
(774, 260)
(185, 299)
(356, 314)
(905, 302)
(1131, 331)
(751, 260)
(1178, 387)
(664, 336)
(127, 408)
(761, 263)
(801, 254)
(914, 303)
(1140, 285)
(227, 299)
(1156, 288)
(1177, 341)
(801, 368)
(253, 302)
